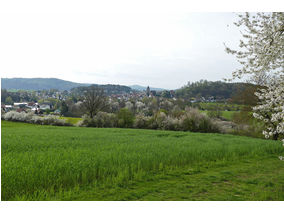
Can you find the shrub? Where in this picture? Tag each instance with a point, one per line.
(171, 123)
(152, 123)
(18, 116)
(101, 119)
(161, 121)
(141, 121)
(104, 119)
(125, 118)
(36, 119)
(87, 121)
(53, 120)
(195, 121)
(31, 118)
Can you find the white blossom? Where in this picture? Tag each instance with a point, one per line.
(262, 57)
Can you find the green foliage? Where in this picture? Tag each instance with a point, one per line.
(125, 118)
(64, 108)
(164, 111)
(9, 97)
(57, 163)
(9, 101)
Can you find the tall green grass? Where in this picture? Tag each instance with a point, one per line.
(40, 160)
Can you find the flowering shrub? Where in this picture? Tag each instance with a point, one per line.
(191, 120)
(17, 116)
(53, 120)
(101, 119)
(171, 123)
(141, 121)
(31, 118)
(195, 121)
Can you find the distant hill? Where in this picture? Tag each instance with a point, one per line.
(209, 88)
(55, 83)
(38, 84)
(141, 88)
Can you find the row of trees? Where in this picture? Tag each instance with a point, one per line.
(204, 88)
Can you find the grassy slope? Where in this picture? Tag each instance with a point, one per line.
(70, 163)
(228, 115)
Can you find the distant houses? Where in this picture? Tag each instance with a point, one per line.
(23, 106)
(6, 108)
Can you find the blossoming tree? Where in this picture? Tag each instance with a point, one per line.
(261, 55)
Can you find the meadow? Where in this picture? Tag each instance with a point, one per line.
(228, 115)
(72, 163)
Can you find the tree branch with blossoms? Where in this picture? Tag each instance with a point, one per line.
(261, 55)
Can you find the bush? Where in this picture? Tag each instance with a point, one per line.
(195, 121)
(125, 118)
(53, 120)
(101, 119)
(171, 124)
(166, 122)
(191, 120)
(104, 119)
(31, 118)
(18, 116)
(141, 121)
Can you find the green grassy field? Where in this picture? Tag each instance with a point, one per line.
(72, 163)
(228, 115)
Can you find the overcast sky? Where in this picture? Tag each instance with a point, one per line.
(158, 49)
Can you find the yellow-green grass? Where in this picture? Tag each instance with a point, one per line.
(71, 120)
(72, 163)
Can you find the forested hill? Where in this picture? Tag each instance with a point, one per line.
(217, 89)
(38, 84)
(55, 83)
(201, 88)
